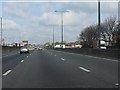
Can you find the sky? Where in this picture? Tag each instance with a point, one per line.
(34, 21)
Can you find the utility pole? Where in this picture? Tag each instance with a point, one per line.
(53, 38)
(62, 29)
(119, 11)
(99, 17)
(62, 36)
(1, 31)
(53, 35)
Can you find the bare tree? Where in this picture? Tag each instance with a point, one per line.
(88, 35)
(107, 27)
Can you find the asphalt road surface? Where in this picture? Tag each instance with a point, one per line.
(56, 69)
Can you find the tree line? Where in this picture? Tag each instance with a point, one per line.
(109, 31)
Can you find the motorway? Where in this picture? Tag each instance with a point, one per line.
(57, 69)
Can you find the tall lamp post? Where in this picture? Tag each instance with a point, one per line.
(62, 37)
(53, 35)
(119, 11)
(99, 17)
(53, 38)
(1, 31)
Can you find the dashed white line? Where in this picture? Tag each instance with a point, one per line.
(22, 61)
(117, 84)
(27, 56)
(62, 59)
(7, 72)
(54, 55)
(84, 69)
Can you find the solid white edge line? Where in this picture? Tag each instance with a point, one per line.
(102, 58)
(6, 73)
(84, 69)
(114, 60)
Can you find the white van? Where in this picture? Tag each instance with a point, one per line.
(102, 45)
(57, 46)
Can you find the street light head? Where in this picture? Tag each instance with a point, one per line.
(67, 10)
(56, 11)
(62, 11)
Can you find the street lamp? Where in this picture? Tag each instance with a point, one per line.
(1, 31)
(61, 12)
(99, 17)
(53, 38)
(119, 11)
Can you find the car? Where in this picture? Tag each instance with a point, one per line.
(40, 49)
(35, 47)
(24, 50)
(10, 45)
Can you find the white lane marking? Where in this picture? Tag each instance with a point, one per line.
(27, 56)
(54, 55)
(114, 60)
(62, 59)
(117, 84)
(84, 69)
(22, 61)
(102, 58)
(7, 72)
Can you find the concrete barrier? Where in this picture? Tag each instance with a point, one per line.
(107, 53)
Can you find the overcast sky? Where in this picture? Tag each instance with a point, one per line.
(33, 21)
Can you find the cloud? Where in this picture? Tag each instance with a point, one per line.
(109, 7)
(35, 20)
(74, 18)
(91, 7)
(47, 19)
(0, 9)
(16, 9)
(9, 24)
(59, 0)
(14, 12)
(70, 18)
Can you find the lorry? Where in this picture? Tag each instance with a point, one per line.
(24, 43)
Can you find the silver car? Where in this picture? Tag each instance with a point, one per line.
(24, 50)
